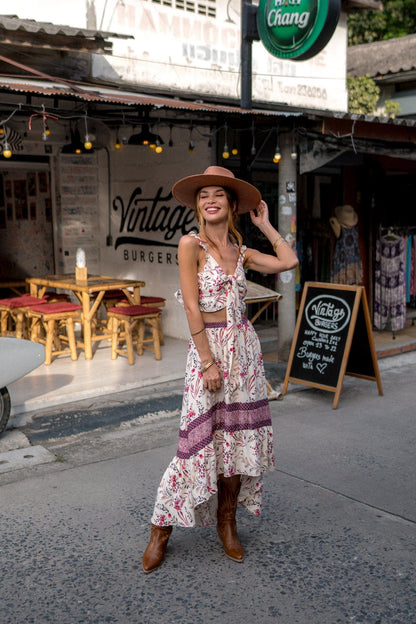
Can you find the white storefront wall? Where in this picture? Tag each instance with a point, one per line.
(177, 46)
(147, 223)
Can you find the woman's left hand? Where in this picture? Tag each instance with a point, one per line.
(260, 216)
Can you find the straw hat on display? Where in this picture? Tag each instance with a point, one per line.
(346, 215)
(186, 189)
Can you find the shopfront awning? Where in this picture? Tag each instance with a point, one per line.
(106, 95)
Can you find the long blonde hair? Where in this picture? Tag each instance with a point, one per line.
(233, 233)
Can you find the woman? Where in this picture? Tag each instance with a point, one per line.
(225, 437)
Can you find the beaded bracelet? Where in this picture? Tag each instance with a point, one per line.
(207, 366)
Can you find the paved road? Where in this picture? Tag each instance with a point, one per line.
(335, 543)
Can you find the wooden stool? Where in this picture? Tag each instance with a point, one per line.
(53, 318)
(159, 302)
(147, 301)
(128, 323)
(13, 314)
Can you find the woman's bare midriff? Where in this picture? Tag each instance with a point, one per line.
(214, 317)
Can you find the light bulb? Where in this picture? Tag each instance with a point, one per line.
(293, 155)
(191, 147)
(277, 157)
(7, 152)
(87, 142)
(117, 144)
(158, 148)
(226, 153)
(234, 151)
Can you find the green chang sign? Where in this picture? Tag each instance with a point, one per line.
(297, 29)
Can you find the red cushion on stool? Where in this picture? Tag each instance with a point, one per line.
(113, 294)
(6, 302)
(134, 310)
(145, 299)
(55, 308)
(57, 296)
(26, 300)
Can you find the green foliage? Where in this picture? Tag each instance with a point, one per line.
(397, 19)
(363, 94)
(391, 108)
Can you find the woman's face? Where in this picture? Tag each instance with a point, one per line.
(213, 204)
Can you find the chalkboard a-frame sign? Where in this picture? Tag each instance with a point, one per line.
(333, 338)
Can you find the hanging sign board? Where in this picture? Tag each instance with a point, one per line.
(333, 338)
(297, 29)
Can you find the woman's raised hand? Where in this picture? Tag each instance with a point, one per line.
(260, 216)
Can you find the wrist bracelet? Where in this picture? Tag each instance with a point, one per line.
(278, 242)
(198, 332)
(207, 366)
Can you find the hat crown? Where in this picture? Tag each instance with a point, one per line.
(219, 171)
(186, 189)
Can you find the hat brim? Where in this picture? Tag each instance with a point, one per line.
(186, 189)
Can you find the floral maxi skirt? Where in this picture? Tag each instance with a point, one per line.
(226, 432)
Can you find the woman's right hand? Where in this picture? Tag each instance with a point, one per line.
(212, 378)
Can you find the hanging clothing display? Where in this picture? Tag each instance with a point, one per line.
(346, 263)
(390, 283)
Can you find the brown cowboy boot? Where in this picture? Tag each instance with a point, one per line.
(156, 548)
(228, 489)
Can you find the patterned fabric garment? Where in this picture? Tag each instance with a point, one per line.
(346, 263)
(225, 432)
(390, 287)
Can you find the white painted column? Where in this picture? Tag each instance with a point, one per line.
(287, 228)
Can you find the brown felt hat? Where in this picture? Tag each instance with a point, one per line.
(346, 215)
(186, 189)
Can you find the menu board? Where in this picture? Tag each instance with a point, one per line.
(333, 337)
(79, 211)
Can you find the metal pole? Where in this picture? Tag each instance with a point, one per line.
(246, 57)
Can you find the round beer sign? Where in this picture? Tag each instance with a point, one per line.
(297, 29)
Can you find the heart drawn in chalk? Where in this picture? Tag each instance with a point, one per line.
(321, 366)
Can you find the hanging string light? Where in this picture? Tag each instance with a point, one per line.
(87, 141)
(7, 152)
(293, 153)
(117, 144)
(225, 151)
(277, 155)
(191, 144)
(234, 149)
(45, 128)
(253, 143)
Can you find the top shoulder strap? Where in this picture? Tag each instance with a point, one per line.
(196, 235)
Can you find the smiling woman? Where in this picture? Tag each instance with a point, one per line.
(225, 438)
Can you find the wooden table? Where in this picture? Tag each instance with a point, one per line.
(260, 294)
(17, 286)
(96, 285)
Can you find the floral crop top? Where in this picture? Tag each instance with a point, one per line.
(217, 290)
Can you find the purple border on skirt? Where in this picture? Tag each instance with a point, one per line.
(229, 418)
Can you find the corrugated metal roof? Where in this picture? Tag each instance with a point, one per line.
(13, 22)
(381, 58)
(114, 96)
(107, 95)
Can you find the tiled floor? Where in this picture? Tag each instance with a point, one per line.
(65, 381)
